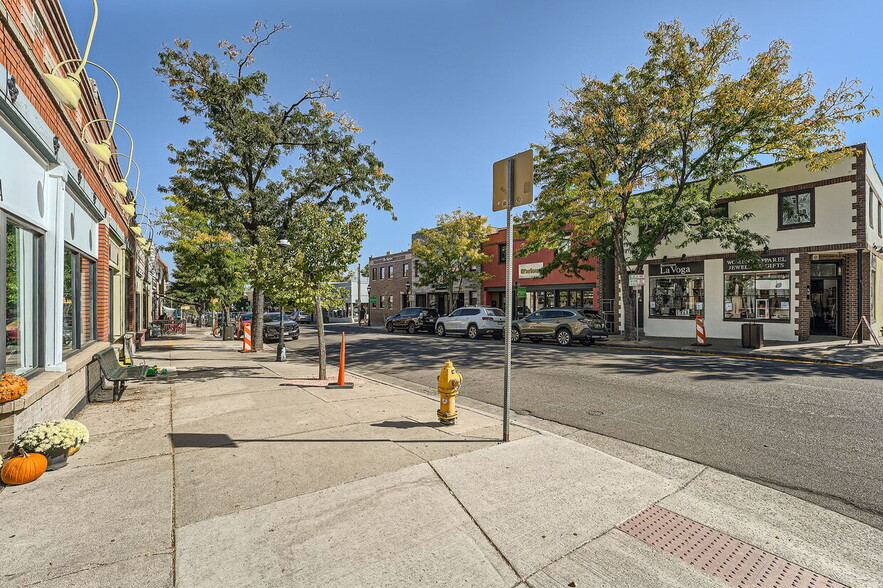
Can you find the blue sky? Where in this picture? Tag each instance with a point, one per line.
(447, 87)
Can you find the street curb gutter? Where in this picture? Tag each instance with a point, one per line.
(736, 355)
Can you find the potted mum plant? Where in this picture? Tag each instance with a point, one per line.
(55, 439)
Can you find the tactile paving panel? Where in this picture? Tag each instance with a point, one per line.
(735, 562)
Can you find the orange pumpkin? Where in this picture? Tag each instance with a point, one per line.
(26, 468)
(12, 387)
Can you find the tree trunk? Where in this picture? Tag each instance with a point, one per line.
(257, 320)
(320, 331)
(628, 302)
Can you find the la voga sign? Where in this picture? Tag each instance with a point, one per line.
(677, 269)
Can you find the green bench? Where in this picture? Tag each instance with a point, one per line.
(116, 373)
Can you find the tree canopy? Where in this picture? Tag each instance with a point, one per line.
(642, 159)
(260, 157)
(450, 253)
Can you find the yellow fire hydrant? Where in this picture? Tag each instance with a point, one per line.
(449, 381)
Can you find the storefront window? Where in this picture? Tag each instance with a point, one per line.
(87, 301)
(20, 252)
(71, 276)
(78, 301)
(677, 297)
(757, 296)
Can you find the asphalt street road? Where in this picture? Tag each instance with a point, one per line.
(811, 430)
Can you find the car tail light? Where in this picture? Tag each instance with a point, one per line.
(486, 318)
(585, 321)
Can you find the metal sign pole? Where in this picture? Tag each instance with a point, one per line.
(507, 333)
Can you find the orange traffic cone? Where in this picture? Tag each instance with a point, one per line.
(341, 380)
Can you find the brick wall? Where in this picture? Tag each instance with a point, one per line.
(802, 287)
(14, 57)
(103, 281)
(387, 287)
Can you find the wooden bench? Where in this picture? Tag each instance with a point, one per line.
(116, 373)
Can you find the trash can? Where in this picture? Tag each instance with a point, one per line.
(752, 335)
(227, 333)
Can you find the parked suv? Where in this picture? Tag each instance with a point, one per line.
(564, 325)
(413, 319)
(271, 326)
(472, 322)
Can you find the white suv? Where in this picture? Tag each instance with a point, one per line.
(473, 322)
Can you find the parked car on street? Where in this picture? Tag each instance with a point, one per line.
(271, 326)
(472, 322)
(413, 319)
(564, 325)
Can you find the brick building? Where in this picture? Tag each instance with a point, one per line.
(76, 276)
(556, 289)
(822, 269)
(391, 280)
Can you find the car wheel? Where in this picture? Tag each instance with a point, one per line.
(390, 328)
(295, 337)
(472, 332)
(516, 335)
(588, 341)
(564, 337)
(440, 330)
(412, 328)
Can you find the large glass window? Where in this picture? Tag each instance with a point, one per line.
(682, 297)
(20, 252)
(71, 277)
(78, 301)
(757, 296)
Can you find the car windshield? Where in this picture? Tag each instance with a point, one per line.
(271, 316)
(495, 312)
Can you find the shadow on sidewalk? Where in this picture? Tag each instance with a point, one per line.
(218, 440)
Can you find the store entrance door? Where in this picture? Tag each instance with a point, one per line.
(825, 302)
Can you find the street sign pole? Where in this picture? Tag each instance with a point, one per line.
(513, 186)
(507, 332)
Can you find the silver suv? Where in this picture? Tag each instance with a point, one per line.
(564, 325)
(473, 322)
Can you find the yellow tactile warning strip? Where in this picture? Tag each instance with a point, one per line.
(735, 562)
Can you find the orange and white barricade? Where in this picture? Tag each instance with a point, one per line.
(701, 337)
(246, 337)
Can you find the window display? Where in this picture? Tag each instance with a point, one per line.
(681, 297)
(757, 296)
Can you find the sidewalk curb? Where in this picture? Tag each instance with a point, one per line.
(733, 354)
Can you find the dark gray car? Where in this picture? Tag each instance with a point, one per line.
(413, 319)
(271, 327)
(564, 325)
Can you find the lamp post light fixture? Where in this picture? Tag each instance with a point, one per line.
(67, 89)
(101, 150)
(280, 346)
(122, 187)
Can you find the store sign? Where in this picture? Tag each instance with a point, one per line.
(678, 269)
(636, 280)
(771, 262)
(529, 270)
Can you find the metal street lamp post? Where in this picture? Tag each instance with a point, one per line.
(280, 347)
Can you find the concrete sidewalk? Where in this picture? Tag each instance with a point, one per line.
(245, 472)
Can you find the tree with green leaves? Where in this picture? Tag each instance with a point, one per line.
(261, 157)
(323, 243)
(209, 263)
(642, 159)
(450, 253)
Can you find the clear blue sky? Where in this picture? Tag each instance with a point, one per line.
(447, 87)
